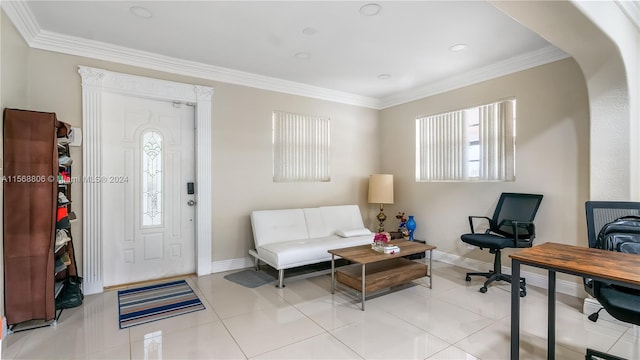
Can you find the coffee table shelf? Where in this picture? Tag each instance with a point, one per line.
(381, 275)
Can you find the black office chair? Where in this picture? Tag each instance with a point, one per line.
(620, 302)
(511, 227)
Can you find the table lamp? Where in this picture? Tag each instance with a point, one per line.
(381, 192)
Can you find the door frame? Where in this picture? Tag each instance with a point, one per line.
(95, 82)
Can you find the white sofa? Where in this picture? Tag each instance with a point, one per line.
(294, 237)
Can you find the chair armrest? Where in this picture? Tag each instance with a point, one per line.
(515, 224)
(477, 217)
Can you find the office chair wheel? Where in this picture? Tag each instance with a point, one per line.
(483, 289)
(468, 278)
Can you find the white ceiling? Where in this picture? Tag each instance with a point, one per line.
(257, 42)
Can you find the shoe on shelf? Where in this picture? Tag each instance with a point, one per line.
(65, 259)
(64, 160)
(62, 199)
(63, 223)
(62, 237)
(64, 140)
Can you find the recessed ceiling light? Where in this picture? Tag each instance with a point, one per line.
(309, 31)
(370, 9)
(458, 47)
(384, 76)
(303, 55)
(140, 11)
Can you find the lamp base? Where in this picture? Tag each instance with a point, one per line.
(381, 218)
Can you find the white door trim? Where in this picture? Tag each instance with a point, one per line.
(94, 83)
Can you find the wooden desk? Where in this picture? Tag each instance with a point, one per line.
(612, 267)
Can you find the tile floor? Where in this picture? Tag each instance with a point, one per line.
(304, 321)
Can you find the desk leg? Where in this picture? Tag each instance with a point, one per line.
(515, 310)
(551, 321)
(362, 290)
(333, 273)
(430, 269)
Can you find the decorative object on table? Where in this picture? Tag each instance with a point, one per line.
(380, 240)
(411, 226)
(381, 192)
(402, 227)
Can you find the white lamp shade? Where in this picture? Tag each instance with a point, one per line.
(381, 189)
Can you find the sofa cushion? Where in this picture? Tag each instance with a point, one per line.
(342, 217)
(272, 226)
(315, 223)
(306, 251)
(326, 220)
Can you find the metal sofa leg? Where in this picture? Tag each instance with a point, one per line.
(280, 279)
(256, 263)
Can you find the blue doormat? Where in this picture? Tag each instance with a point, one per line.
(155, 302)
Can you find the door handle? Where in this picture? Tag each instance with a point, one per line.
(191, 202)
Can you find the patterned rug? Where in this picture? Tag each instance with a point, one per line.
(156, 302)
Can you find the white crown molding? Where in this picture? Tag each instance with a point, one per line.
(24, 21)
(22, 18)
(512, 65)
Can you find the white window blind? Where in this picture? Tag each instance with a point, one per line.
(467, 145)
(300, 147)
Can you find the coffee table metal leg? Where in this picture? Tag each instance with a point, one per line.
(333, 273)
(363, 287)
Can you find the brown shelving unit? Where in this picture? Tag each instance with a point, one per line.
(31, 207)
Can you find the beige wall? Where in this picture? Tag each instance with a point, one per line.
(241, 138)
(552, 148)
(606, 45)
(14, 66)
(13, 94)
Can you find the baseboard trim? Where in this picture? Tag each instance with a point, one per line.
(231, 264)
(538, 280)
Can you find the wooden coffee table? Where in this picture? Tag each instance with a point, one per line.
(373, 271)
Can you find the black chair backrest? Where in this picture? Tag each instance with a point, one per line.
(518, 207)
(600, 213)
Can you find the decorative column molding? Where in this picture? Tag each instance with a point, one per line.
(91, 190)
(203, 177)
(95, 82)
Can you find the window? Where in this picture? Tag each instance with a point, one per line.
(151, 178)
(475, 144)
(300, 147)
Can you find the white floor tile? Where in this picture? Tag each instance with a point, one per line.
(323, 346)
(305, 321)
(207, 341)
(493, 343)
(628, 346)
(452, 353)
(434, 315)
(386, 337)
(263, 330)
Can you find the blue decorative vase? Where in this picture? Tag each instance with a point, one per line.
(411, 226)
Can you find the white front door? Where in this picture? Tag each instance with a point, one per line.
(147, 211)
